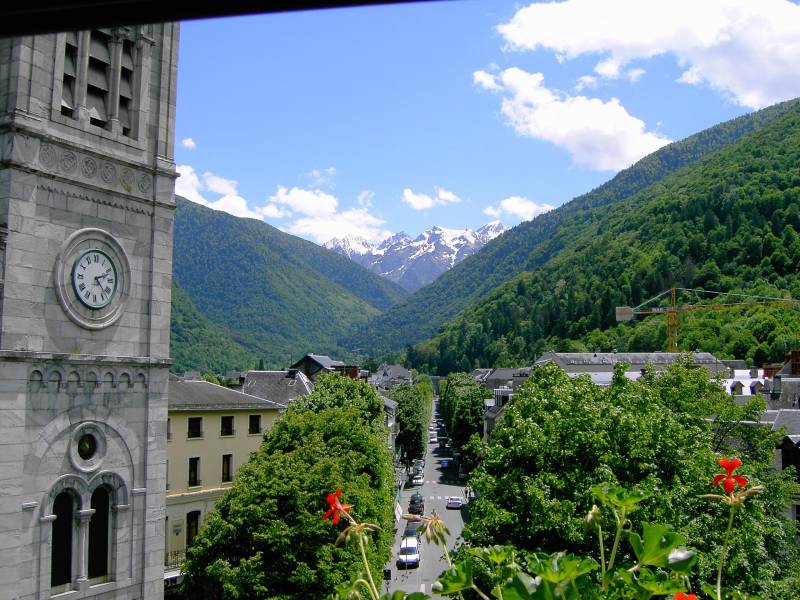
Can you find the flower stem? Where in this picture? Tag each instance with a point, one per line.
(372, 589)
(480, 593)
(602, 552)
(620, 525)
(724, 552)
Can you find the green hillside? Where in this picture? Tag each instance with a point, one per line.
(279, 296)
(196, 344)
(728, 222)
(533, 243)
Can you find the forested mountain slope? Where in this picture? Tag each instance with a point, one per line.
(279, 296)
(532, 243)
(728, 222)
(196, 344)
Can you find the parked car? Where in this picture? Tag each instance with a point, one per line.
(418, 480)
(454, 502)
(409, 553)
(417, 497)
(416, 508)
(412, 529)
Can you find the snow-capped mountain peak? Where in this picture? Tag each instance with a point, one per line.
(349, 245)
(491, 230)
(413, 263)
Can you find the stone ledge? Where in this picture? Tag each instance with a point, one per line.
(29, 355)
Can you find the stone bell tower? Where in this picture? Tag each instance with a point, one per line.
(86, 210)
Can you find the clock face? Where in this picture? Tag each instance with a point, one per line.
(94, 278)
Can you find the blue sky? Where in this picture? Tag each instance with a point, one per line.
(374, 120)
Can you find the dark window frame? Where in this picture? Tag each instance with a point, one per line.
(196, 431)
(254, 430)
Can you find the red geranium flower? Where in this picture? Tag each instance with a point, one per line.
(730, 481)
(685, 596)
(336, 509)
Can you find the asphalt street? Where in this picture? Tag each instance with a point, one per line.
(440, 482)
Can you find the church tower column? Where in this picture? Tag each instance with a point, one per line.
(82, 521)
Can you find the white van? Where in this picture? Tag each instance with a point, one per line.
(409, 553)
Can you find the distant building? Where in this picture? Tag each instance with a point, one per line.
(311, 365)
(390, 416)
(280, 387)
(211, 432)
(579, 363)
(782, 390)
(389, 376)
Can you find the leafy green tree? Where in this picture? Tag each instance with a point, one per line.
(560, 436)
(462, 406)
(211, 378)
(411, 424)
(332, 390)
(266, 538)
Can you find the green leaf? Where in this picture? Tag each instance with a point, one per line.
(618, 497)
(520, 587)
(560, 567)
(455, 579)
(656, 546)
(495, 555)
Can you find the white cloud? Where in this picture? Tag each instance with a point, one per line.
(445, 197)
(314, 203)
(220, 185)
(192, 187)
(586, 81)
(354, 221)
(420, 201)
(417, 201)
(485, 80)
(493, 212)
(608, 68)
(188, 143)
(634, 75)
(748, 50)
(599, 135)
(519, 207)
(365, 198)
(321, 177)
(273, 211)
(318, 211)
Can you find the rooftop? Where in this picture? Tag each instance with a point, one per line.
(198, 394)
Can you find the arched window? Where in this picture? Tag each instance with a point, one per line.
(98, 534)
(61, 563)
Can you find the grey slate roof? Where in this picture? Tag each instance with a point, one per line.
(390, 404)
(278, 386)
(790, 418)
(325, 361)
(599, 360)
(198, 394)
(394, 372)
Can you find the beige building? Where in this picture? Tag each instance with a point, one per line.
(211, 432)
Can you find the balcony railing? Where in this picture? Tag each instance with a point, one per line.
(173, 559)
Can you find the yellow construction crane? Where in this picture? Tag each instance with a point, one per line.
(626, 313)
